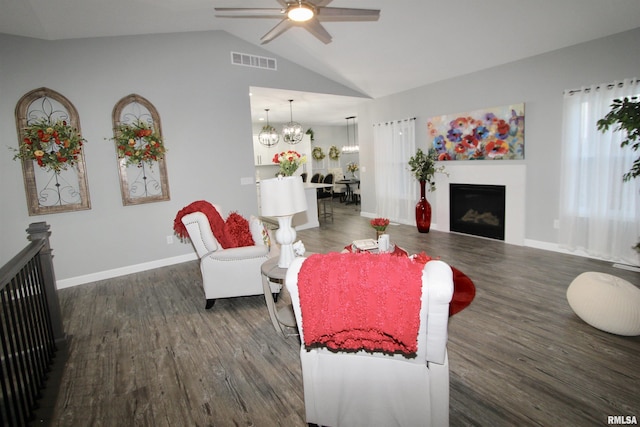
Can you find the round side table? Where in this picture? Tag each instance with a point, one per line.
(283, 318)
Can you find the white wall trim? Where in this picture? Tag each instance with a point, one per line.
(116, 272)
(554, 247)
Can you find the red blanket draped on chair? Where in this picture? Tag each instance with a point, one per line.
(215, 221)
(463, 288)
(353, 301)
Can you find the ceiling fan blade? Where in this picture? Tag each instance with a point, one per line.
(337, 14)
(232, 12)
(321, 3)
(282, 26)
(247, 9)
(315, 27)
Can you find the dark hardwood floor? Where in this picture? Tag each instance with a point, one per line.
(143, 351)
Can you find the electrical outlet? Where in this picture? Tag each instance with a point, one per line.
(169, 240)
(556, 224)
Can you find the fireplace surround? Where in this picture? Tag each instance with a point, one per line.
(513, 175)
(478, 210)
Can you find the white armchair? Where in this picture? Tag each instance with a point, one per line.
(230, 272)
(372, 388)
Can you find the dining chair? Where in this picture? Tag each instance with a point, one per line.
(325, 196)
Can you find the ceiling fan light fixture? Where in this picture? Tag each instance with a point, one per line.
(300, 12)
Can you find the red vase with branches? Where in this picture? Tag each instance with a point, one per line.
(423, 211)
(423, 167)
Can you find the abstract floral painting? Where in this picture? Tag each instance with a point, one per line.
(490, 134)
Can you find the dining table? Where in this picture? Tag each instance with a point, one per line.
(348, 182)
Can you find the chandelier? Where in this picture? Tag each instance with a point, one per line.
(292, 132)
(268, 136)
(351, 148)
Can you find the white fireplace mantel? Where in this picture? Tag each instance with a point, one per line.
(488, 172)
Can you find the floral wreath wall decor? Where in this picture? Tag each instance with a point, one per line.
(53, 145)
(490, 134)
(140, 150)
(51, 150)
(317, 153)
(138, 143)
(334, 153)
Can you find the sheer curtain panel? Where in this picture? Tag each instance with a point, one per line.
(599, 213)
(393, 144)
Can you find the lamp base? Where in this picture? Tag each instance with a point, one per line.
(285, 236)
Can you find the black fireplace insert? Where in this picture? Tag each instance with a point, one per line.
(477, 209)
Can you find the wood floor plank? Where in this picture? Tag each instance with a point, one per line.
(143, 351)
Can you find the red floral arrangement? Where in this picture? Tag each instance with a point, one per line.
(139, 143)
(53, 145)
(380, 224)
(289, 161)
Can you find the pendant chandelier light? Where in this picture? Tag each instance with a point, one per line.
(292, 132)
(268, 136)
(349, 147)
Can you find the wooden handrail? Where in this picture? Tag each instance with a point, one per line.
(10, 269)
(31, 330)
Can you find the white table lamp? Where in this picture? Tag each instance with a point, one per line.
(283, 197)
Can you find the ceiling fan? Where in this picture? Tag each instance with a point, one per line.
(300, 13)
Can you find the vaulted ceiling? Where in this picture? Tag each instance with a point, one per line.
(415, 42)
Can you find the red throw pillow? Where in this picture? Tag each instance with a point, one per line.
(237, 232)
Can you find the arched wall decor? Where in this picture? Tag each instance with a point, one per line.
(50, 191)
(146, 181)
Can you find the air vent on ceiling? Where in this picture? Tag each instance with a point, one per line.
(253, 61)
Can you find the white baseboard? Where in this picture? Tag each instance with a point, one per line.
(554, 247)
(116, 272)
(627, 267)
(550, 247)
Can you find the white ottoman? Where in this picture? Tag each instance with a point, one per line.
(606, 302)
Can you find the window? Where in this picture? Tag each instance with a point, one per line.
(599, 213)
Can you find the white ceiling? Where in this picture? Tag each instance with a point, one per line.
(415, 42)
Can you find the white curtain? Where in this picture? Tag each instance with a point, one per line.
(599, 213)
(393, 144)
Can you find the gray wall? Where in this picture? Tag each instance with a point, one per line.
(203, 102)
(325, 137)
(539, 82)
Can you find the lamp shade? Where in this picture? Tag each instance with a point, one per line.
(282, 196)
